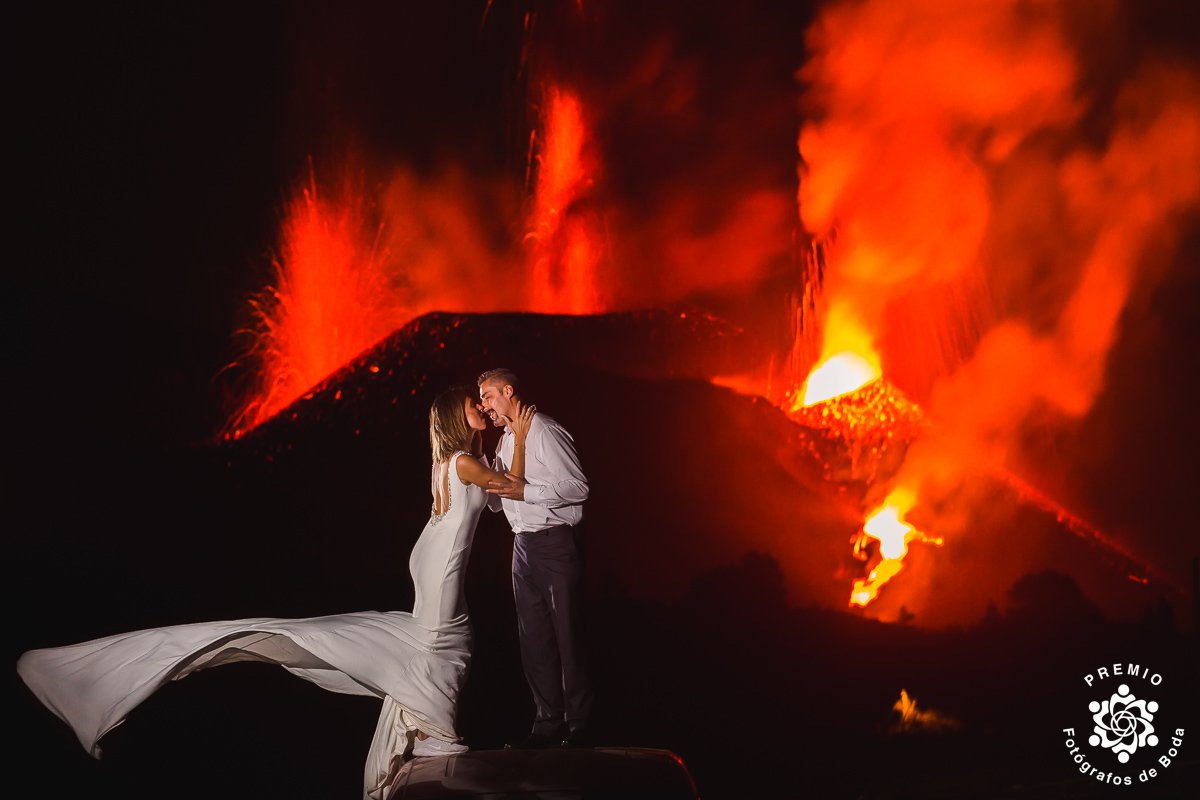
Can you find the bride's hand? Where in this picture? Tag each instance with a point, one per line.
(522, 420)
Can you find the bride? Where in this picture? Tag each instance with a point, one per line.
(416, 662)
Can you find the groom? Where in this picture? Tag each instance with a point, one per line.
(544, 509)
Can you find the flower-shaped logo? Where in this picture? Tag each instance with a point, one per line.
(1123, 723)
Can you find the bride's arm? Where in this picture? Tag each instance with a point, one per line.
(472, 470)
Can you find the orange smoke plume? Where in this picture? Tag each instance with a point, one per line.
(910, 105)
(986, 222)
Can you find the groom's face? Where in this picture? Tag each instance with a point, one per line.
(497, 402)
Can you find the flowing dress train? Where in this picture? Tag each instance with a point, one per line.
(416, 662)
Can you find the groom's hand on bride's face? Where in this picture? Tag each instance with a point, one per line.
(511, 487)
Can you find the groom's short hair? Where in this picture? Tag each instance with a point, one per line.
(501, 376)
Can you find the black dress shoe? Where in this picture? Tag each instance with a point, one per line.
(580, 737)
(535, 741)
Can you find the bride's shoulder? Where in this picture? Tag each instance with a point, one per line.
(467, 466)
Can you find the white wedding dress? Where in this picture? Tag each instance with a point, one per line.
(416, 662)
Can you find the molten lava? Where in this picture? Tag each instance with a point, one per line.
(870, 425)
(892, 532)
(838, 375)
(864, 426)
(913, 719)
(886, 526)
(848, 360)
(565, 250)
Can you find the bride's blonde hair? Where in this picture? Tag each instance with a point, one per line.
(448, 428)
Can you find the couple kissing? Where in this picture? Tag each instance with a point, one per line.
(416, 661)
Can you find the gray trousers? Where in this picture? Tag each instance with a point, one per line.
(548, 592)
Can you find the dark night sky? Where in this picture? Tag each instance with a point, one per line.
(158, 142)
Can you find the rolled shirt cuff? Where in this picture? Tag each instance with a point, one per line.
(536, 493)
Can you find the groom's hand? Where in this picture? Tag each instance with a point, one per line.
(512, 488)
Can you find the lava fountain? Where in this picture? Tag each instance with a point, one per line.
(564, 250)
(848, 361)
(347, 275)
(332, 299)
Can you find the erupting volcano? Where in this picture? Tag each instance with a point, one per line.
(916, 366)
(870, 321)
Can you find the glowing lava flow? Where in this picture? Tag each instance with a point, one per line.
(887, 526)
(845, 399)
(838, 375)
(565, 251)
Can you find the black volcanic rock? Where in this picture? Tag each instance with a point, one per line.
(686, 476)
(441, 349)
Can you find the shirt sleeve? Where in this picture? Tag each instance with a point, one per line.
(556, 450)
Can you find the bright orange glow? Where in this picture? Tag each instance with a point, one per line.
(890, 530)
(906, 706)
(887, 526)
(836, 376)
(561, 174)
(867, 589)
(913, 718)
(986, 244)
(355, 263)
(848, 359)
(750, 385)
(565, 250)
(331, 300)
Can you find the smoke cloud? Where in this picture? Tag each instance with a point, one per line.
(992, 209)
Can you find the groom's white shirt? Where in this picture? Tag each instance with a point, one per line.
(555, 485)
